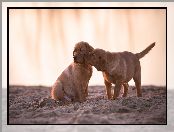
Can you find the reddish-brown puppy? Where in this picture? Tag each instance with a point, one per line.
(118, 68)
(72, 84)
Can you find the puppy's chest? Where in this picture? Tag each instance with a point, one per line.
(112, 78)
(85, 73)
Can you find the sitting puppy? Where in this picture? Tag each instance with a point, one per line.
(118, 68)
(72, 84)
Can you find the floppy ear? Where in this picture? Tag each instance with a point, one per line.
(101, 65)
(103, 61)
(85, 58)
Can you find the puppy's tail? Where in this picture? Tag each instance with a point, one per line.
(144, 52)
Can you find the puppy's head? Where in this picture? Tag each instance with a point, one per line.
(98, 58)
(81, 51)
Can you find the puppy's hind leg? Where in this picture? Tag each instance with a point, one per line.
(57, 92)
(126, 85)
(108, 89)
(137, 80)
(117, 89)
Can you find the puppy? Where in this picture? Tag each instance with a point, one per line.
(72, 84)
(118, 68)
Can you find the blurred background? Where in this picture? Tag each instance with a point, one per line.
(41, 42)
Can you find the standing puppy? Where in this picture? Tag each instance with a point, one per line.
(72, 84)
(118, 68)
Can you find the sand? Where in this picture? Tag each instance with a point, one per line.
(33, 105)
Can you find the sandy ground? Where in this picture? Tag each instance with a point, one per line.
(32, 105)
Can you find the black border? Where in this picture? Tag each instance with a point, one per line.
(8, 8)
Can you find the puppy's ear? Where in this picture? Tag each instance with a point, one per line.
(102, 64)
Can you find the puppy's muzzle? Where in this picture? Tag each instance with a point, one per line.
(75, 58)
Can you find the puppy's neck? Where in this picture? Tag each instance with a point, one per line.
(111, 56)
(85, 65)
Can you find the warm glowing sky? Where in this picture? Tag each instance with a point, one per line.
(42, 41)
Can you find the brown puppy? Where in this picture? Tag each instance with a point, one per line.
(72, 84)
(118, 68)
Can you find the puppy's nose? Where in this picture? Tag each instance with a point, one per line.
(75, 57)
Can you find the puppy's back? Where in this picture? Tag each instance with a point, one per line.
(63, 85)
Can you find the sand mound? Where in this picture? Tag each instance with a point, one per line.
(33, 105)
